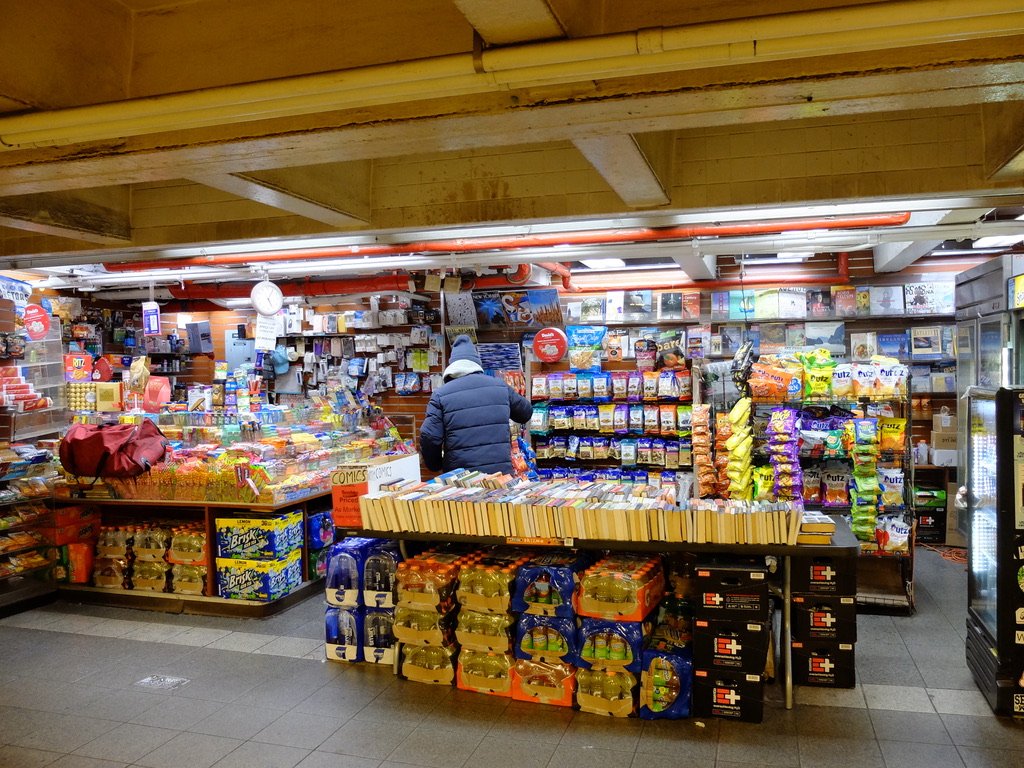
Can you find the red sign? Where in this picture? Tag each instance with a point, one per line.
(37, 322)
(550, 345)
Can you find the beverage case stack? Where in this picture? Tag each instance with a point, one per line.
(616, 599)
(426, 614)
(733, 652)
(361, 592)
(547, 635)
(158, 557)
(486, 625)
(259, 558)
(824, 621)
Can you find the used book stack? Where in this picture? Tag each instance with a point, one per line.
(475, 504)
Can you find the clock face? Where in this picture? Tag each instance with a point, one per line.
(267, 298)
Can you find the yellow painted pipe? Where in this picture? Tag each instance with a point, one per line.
(841, 30)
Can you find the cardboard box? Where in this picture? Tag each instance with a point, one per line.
(824, 664)
(943, 441)
(824, 575)
(931, 526)
(954, 536)
(732, 591)
(944, 422)
(830, 618)
(733, 695)
(258, 538)
(733, 645)
(262, 580)
(351, 481)
(944, 458)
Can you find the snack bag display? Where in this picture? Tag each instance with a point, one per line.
(585, 345)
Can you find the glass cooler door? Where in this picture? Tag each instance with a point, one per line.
(982, 510)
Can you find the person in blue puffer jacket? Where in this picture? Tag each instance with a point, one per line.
(466, 425)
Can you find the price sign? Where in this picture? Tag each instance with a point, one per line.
(150, 318)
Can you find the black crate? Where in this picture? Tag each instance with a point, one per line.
(931, 525)
(737, 646)
(824, 575)
(732, 695)
(831, 618)
(732, 591)
(829, 665)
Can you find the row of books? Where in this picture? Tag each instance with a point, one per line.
(787, 303)
(568, 510)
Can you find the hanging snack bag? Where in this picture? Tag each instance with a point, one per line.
(585, 387)
(764, 484)
(539, 390)
(602, 387)
(636, 419)
(892, 434)
(842, 381)
(651, 381)
(643, 450)
(652, 418)
(812, 486)
(835, 486)
(619, 382)
(560, 417)
(635, 387)
(555, 386)
(606, 418)
(585, 345)
(892, 483)
(864, 376)
(667, 389)
(592, 417)
(569, 389)
(539, 421)
(667, 420)
(579, 418)
(621, 419)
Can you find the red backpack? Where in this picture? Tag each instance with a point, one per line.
(117, 450)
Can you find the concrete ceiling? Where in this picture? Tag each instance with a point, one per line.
(129, 127)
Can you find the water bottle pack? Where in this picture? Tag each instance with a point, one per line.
(606, 692)
(611, 644)
(320, 530)
(485, 672)
(546, 638)
(621, 587)
(665, 685)
(345, 627)
(378, 635)
(546, 584)
(350, 582)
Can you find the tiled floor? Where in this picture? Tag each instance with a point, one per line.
(260, 695)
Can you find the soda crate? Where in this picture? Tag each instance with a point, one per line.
(736, 646)
(829, 665)
(824, 575)
(732, 591)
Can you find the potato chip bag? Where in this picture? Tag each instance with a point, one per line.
(864, 375)
(892, 434)
(812, 486)
(891, 481)
(835, 487)
(842, 381)
(818, 383)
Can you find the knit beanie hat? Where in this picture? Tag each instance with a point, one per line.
(464, 349)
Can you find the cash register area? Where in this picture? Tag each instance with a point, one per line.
(99, 687)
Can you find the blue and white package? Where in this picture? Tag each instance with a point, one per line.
(344, 633)
(605, 644)
(545, 585)
(546, 638)
(344, 571)
(320, 530)
(379, 574)
(666, 682)
(379, 635)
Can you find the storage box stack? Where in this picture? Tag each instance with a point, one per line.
(732, 645)
(360, 599)
(944, 438)
(259, 558)
(426, 614)
(486, 624)
(824, 615)
(546, 637)
(616, 597)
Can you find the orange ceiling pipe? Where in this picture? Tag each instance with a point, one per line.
(381, 283)
(618, 281)
(544, 240)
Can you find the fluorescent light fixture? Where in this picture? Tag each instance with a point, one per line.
(790, 256)
(1000, 241)
(603, 263)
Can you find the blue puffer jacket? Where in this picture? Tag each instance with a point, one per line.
(467, 424)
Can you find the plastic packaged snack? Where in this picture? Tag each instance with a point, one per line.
(842, 381)
(585, 344)
(555, 386)
(892, 434)
(620, 380)
(569, 383)
(812, 486)
(584, 387)
(635, 387)
(621, 419)
(606, 418)
(835, 487)
(579, 418)
(539, 390)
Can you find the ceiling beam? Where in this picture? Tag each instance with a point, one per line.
(337, 194)
(1004, 139)
(500, 22)
(622, 163)
(893, 257)
(99, 216)
(146, 158)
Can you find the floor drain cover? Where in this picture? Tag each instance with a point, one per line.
(162, 683)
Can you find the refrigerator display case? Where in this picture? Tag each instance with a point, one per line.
(995, 518)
